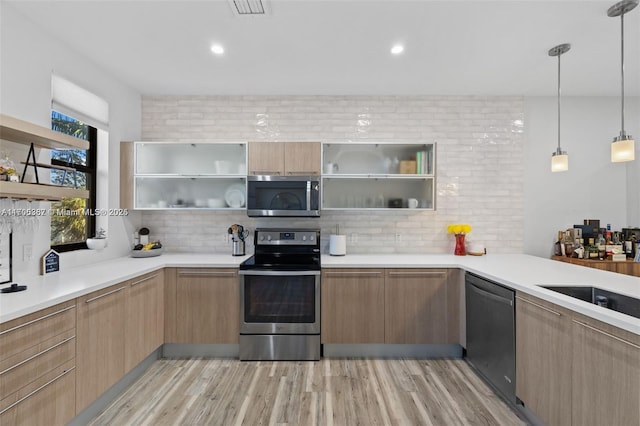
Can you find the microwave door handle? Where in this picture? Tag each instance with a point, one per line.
(308, 195)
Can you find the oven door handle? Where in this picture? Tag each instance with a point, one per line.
(280, 273)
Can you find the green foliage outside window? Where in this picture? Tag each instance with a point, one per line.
(69, 224)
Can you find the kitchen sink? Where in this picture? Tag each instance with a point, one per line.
(607, 299)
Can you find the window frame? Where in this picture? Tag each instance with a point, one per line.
(91, 170)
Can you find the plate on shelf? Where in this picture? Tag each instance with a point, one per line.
(235, 196)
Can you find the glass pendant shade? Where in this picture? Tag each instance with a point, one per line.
(623, 146)
(623, 149)
(559, 162)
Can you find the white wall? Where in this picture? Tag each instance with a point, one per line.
(479, 164)
(28, 58)
(593, 188)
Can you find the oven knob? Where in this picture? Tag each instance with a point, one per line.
(261, 237)
(304, 238)
(268, 237)
(311, 237)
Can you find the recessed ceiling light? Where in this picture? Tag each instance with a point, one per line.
(397, 49)
(217, 49)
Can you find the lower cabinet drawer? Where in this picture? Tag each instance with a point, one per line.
(22, 333)
(27, 366)
(49, 401)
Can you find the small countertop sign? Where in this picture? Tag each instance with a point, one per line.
(50, 262)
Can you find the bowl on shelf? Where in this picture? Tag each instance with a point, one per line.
(216, 203)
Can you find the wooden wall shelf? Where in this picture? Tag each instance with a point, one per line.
(627, 267)
(39, 192)
(22, 132)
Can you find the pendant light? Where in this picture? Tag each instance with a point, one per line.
(622, 147)
(560, 158)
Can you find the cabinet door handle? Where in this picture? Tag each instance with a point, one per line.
(363, 274)
(30, 394)
(38, 354)
(104, 295)
(266, 172)
(539, 306)
(37, 319)
(418, 274)
(207, 273)
(143, 280)
(597, 330)
(303, 173)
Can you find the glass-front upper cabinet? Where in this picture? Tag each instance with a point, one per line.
(378, 175)
(190, 158)
(202, 175)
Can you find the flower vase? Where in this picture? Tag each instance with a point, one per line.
(460, 251)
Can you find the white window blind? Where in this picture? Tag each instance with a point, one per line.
(74, 101)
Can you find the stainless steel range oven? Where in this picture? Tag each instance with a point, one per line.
(280, 296)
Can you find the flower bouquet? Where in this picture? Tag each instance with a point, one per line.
(459, 230)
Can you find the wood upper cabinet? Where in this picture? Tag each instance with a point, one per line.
(352, 306)
(126, 175)
(144, 331)
(302, 158)
(543, 359)
(100, 342)
(606, 374)
(418, 307)
(285, 158)
(207, 305)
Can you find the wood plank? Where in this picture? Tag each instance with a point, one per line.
(23, 132)
(39, 192)
(50, 166)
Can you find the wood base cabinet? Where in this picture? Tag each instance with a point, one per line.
(207, 306)
(100, 350)
(543, 359)
(48, 401)
(606, 374)
(118, 327)
(144, 330)
(352, 306)
(37, 367)
(420, 307)
(395, 306)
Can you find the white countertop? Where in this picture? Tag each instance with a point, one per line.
(521, 272)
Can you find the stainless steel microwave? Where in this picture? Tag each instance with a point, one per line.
(283, 196)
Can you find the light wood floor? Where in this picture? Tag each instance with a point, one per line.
(336, 392)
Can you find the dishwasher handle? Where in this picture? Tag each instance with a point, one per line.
(490, 295)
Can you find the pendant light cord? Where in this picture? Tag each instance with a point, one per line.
(559, 149)
(622, 132)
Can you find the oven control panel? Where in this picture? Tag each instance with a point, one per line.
(305, 237)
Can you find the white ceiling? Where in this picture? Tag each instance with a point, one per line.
(341, 47)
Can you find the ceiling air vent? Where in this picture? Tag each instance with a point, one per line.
(248, 7)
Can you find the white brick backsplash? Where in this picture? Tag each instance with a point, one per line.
(480, 165)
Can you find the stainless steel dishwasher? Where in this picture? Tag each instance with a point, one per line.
(491, 333)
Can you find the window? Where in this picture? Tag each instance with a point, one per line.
(72, 219)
